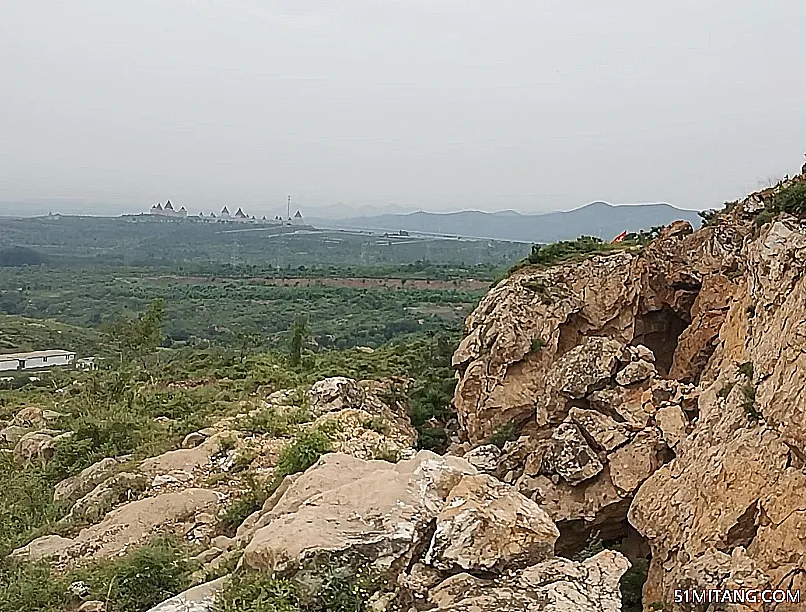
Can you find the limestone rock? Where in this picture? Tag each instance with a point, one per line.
(44, 547)
(484, 458)
(31, 417)
(556, 585)
(605, 432)
(126, 526)
(75, 487)
(198, 599)
(326, 511)
(487, 525)
(673, 424)
(184, 460)
(193, 439)
(9, 436)
(35, 447)
(634, 463)
(570, 456)
(334, 394)
(635, 372)
(115, 489)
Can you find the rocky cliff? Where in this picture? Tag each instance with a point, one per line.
(657, 395)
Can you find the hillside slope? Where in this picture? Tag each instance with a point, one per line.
(596, 219)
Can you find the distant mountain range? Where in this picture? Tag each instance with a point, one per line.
(596, 219)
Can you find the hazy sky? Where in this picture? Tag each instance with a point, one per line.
(433, 104)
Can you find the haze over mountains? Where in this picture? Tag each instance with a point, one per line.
(596, 219)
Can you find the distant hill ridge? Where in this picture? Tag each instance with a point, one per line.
(595, 219)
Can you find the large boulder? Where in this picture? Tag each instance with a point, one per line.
(487, 525)
(75, 487)
(129, 525)
(334, 394)
(556, 585)
(326, 512)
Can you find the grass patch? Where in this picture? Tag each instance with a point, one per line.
(508, 432)
(135, 582)
(749, 402)
(261, 593)
(565, 250)
(274, 422)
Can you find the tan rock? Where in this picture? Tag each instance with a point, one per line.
(75, 487)
(35, 447)
(634, 463)
(484, 458)
(673, 424)
(45, 547)
(570, 456)
(197, 599)
(334, 394)
(112, 491)
(183, 460)
(31, 417)
(11, 435)
(556, 585)
(328, 509)
(193, 439)
(487, 525)
(635, 372)
(126, 526)
(602, 429)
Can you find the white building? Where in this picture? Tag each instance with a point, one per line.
(168, 211)
(36, 359)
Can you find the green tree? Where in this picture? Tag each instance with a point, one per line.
(299, 334)
(136, 340)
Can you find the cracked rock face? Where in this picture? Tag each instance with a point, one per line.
(697, 435)
(419, 522)
(556, 585)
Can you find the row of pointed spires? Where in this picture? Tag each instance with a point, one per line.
(240, 214)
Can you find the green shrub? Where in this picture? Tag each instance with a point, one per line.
(30, 586)
(506, 433)
(142, 579)
(258, 593)
(243, 506)
(274, 422)
(749, 402)
(302, 453)
(135, 582)
(26, 504)
(746, 370)
(262, 593)
(632, 586)
(791, 199)
(566, 249)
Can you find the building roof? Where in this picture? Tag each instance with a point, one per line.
(158, 206)
(168, 205)
(240, 214)
(224, 211)
(298, 215)
(33, 354)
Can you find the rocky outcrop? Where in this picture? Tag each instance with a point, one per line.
(659, 390)
(558, 585)
(438, 531)
(128, 525)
